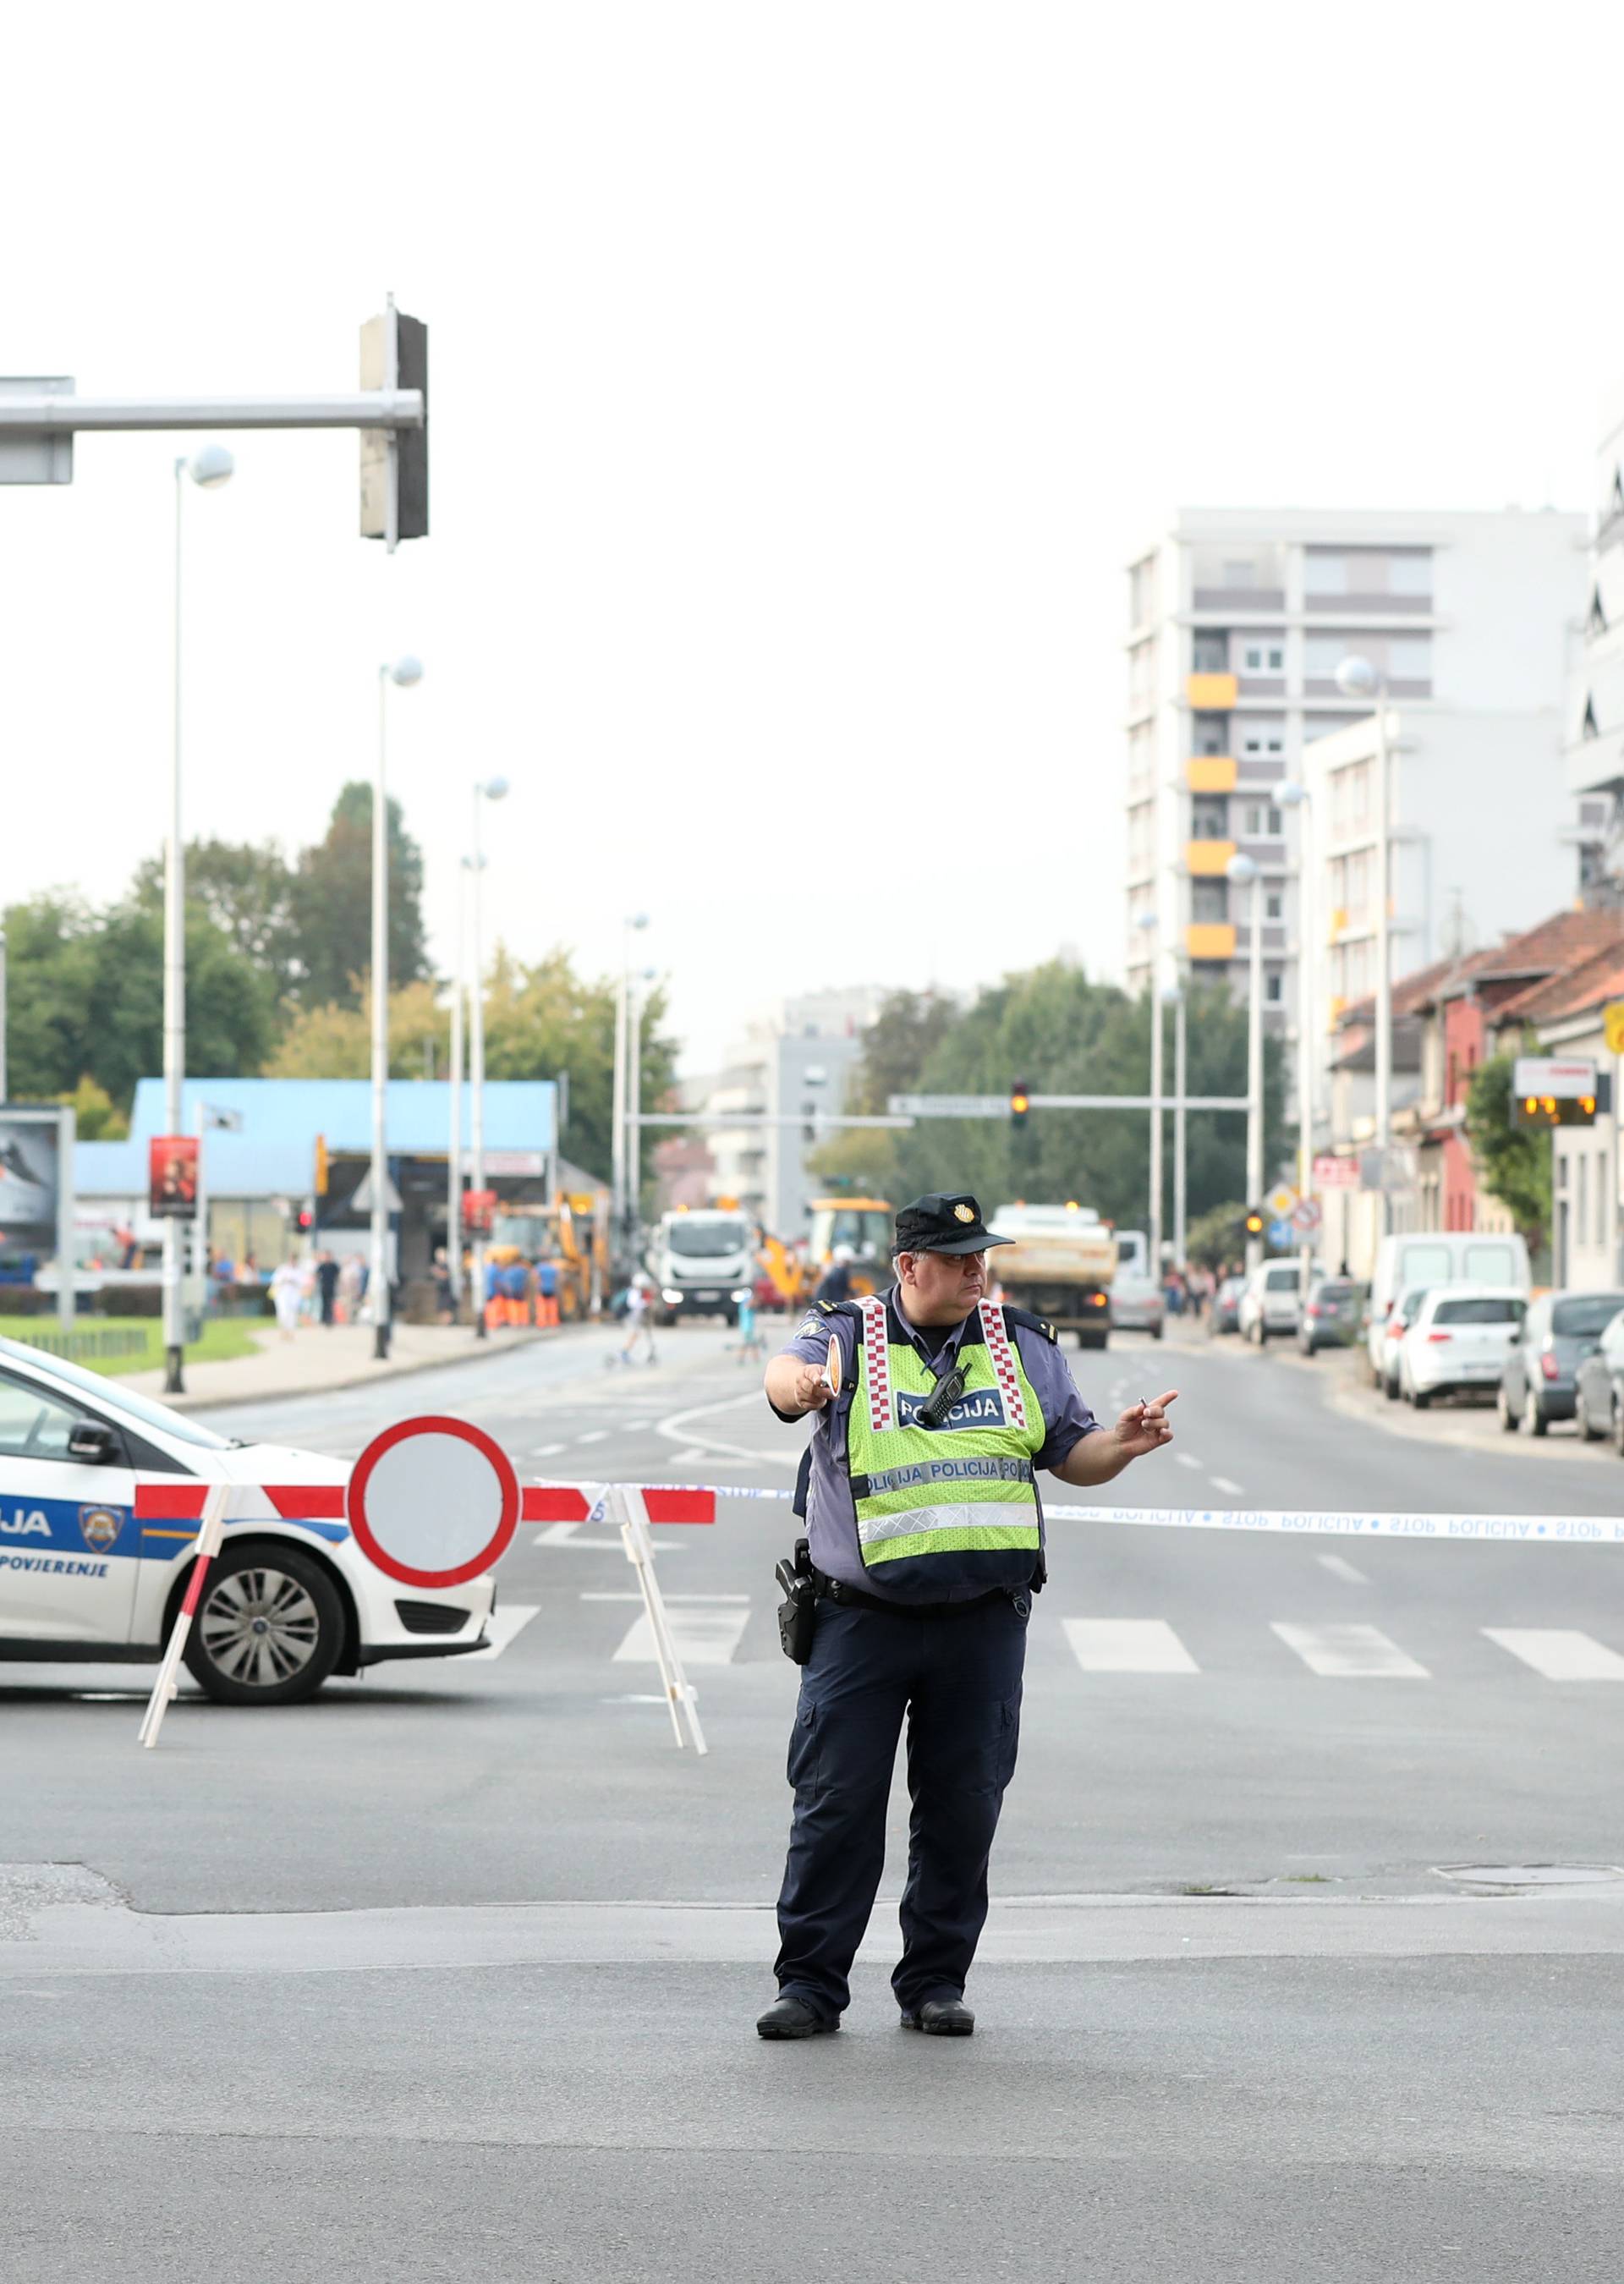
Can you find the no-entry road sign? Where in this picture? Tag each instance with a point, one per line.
(433, 1502)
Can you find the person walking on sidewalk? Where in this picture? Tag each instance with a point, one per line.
(924, 1548)
(639, 1319)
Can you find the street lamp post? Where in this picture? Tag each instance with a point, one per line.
(209, 467)
(1181, 1167)
(1243, 872)
(454, 1140)
(1297, 796)
(485, 789)
(617, 1144)
(1148, 922)
(404, 673)
(1356, 678)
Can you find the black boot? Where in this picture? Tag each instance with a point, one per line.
(940, 2018)
(792, 2018)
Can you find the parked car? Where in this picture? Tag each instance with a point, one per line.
(1598, 1402)
(1399, 1319)
(1438, 1257)
(1457, 1342)
(1540, 1380)
(1334, 1316)
(1136, 1305)
(1226, 1304)
(1271, 1302)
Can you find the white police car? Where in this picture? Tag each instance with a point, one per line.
(82, 1578)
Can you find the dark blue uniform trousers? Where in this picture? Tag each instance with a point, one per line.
(958, 1681)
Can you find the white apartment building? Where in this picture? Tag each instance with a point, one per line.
(795, 1059)
(1594, 737)
(1238, 621)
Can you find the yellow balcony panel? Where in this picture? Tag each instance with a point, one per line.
(1211, 693)
(1210, 940)
(1210, 773)
(1208, 860)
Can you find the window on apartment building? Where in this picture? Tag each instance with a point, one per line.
(1274, 904)
(1409, 658)
(1264, 821)
(1209, 652)
(1409, 571)
(1213, 734)
(1142, 592)
(1259, 743)
(1262, 658)
(1209, 901)
(1453, 1080)
(1209, 817)
(1272, 986)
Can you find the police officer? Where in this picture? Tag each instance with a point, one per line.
(927, 1545)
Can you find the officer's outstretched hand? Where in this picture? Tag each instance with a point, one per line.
(1143, 1427)
(812, 1388)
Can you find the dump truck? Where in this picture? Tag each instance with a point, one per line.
(1060, 1266)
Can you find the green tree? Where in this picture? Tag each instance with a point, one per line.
(1215, 1237)
(332, 1041)
(1513, 1163)
(1066, 1034)
(896, 1046)
(246, 889)
(51, 988)
(97, 1117)
(330, 905)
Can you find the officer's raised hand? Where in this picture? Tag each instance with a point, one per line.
(1139, 1430)
(810, 1388)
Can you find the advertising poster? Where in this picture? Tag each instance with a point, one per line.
(30, 1180)
(172, 1178)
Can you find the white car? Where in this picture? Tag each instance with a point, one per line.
(1435, 1257)
(286, 1604)
(1136, 1305)
(1272, 1301)
(1394, 1328)
(1459, 1341)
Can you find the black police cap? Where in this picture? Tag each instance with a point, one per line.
(943, 1224)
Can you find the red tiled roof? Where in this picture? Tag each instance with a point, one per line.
(1572, 990)
(1542, 955)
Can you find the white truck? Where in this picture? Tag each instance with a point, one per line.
(1060, 1265)
(702, 1261)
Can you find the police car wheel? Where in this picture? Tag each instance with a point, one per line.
(268, 1628)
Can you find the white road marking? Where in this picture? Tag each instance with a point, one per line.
(1342, 1653)
(674, 1426)
(1127, 1645)
(598, 1436)
(669, 1598)
(1560, 1653)
(1222, 1484)
(1341, 1567)
(596, 1545)
(1185, 1461)
(704, 1632)
(504, 1625)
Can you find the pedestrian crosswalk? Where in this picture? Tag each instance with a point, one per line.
(712, 1631)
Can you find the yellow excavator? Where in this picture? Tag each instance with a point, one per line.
(859, 1226)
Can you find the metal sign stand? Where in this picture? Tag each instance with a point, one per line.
(210, 1533)
(624, 1505)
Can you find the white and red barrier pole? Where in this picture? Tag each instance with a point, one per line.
(210, 1535)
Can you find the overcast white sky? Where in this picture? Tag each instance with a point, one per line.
(800, 379)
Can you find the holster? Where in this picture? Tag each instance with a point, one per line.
(798, 1611)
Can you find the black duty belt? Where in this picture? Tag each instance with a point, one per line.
(852, 1598)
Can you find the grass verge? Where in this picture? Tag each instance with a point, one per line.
(223, 1338)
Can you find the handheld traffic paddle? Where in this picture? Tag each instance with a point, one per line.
(832, 1367)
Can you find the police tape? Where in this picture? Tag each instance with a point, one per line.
(1518, 1529)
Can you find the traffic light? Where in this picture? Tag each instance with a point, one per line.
(1020, 1102)
(306, 1218)
(1545, 1110)
(395, 462)
(1255, 1223)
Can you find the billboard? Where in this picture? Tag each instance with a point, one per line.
(172, 1176)
(30, 1177)
(36, 1198)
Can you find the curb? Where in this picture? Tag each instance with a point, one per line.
(373, 1378)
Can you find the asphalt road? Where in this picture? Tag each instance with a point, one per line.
(452, 1973)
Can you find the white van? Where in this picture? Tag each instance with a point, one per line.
(1272, 1300)
(1439, 1256)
